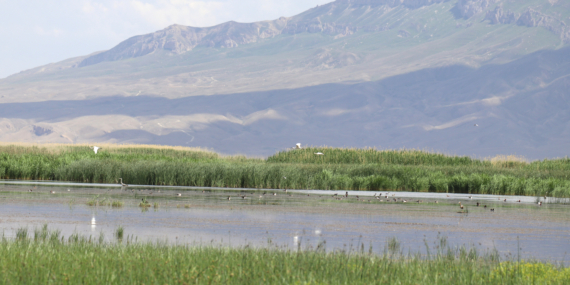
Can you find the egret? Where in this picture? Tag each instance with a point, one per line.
(96, 148)
(93, 221)
(475, 125)
(319, 153)
(179, 194)
(298, 146)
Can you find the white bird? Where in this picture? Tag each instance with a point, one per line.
(95, 149)
(93, 221)
(298, 146)
(476, 125)
(319, 153)
(179, 194)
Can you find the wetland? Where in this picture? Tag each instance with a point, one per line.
(348, 216)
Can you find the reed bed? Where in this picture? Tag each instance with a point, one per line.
(410, 157)
(47, 257)
(338, 169)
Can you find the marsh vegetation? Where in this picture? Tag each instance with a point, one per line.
(337, 169)
(48, 257)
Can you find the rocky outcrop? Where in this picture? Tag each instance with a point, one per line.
(316, 26)
(499, 16)
(179, 39)
(411, 4)
(530, 18)
(468, 8)
(533, 18)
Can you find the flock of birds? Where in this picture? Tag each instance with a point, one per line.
(335, 196)
(298, 146)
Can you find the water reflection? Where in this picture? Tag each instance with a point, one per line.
(293, 219)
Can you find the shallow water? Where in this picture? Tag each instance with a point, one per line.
(286, 219)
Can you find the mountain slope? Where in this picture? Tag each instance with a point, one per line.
(344, 41)
(385, 73)
(434, 109)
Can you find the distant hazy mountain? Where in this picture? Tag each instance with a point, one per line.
(474, 77)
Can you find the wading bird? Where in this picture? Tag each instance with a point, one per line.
(179, 194)
(475, 125)
(123, 185)
(319, 153)
(96, 148)
(298, 146)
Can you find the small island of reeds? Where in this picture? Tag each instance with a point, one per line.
(337, 169)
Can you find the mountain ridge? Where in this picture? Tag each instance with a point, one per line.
(179, 39)
(417, 74)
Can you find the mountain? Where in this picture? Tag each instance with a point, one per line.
(355, 73)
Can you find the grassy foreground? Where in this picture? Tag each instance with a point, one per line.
(49, 258)
(337, 169)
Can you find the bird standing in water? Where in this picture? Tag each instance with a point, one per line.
(123, 185)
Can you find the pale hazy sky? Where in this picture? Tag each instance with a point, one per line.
(37, 32)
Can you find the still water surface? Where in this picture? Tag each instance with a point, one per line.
(206, 216)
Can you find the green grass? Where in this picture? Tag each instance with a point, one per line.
(338, 169)
(50, 258)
